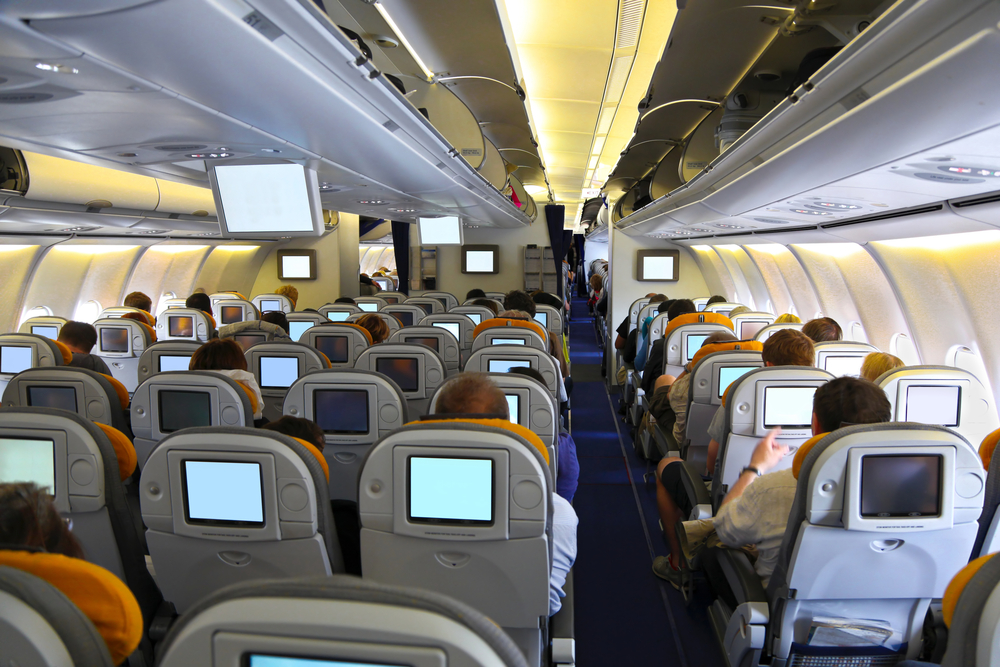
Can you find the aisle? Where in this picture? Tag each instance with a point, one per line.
(624, 614)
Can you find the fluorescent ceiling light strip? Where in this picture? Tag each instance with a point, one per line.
(402, 38)
(598, 147)
(175, 249)
(94, 249)
(12, 247)
(604, 122)
(620, 69)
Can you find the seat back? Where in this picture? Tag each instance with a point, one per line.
(516, 330)
(342, 344)
(408, 314)
(115, 312)
(231, 311)
(430, 305)
(267, 302)
(842, 357)
(721, 308)
(633, 312)
(747, 325)
(684, 336)
(941, 395)
(224, 505)
(416, 369)
(355, 409)
(165, 356)
(757, 402)
(447, 299)
(300, 322)
(276, 366)
(438, 339)
(185, 324)
(88, 393)
(478, 314)
(43, 326)
(254, 332)
(21, 351)
(988, 536)
(392, 298)
(884, 516)
(370, 304)
(700, 302)
(772, 329)
(501, 358)
(550, 318)
(460, 326)
(496, 296)
(168, 402)
(648, 310)
(225, 296)
(338, 312)
(336, 620)
(120, 343)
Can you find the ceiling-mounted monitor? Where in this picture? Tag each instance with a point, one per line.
(480, 259)
(296, 265)
(657, 265)
(266, 200)
(440, 231)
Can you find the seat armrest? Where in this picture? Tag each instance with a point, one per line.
(694, 486)
(665, 441)
(743, 580)
(562, 631)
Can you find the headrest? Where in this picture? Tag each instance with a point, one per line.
(124, 450)
(67, 354)
(211, 319)
(150, 320)
(986, 449)
(508, 322)
(314, 450)
(366, 332)
(516, 429)
(698, 318)
(958, 584)
(254, 405)
(119, 389)
(743, 345)
(800, 455)
(149, 329)
(326, 360)
(100, 595)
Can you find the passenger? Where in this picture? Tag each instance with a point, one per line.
(568, 470)
(138, 300)
(475, 294)
(654, 364)
(225, 356)
(375, 325)
(289, 291)
(519, 300)
(368, 286)
(487, 303)
(346, 299)
(715, 299)
(738, 310)
(787, 347)
(625, 327)
(823, 329)
(547, 299)
(596, 284)
(276, 317)
(555, 347)
(476, 394)
(80, 338)
(642, 335)
(200, 301)
(877, 363)
(787, 318)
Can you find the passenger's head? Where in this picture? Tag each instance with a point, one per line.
(300, 428)
(739, 310)
(665, 305)
(530, 372)
(138, 300)
(787, 318)
(596, 282)
(681, 307)
(715, 299)
(519, 300)
(475, 294)
(658, 298)
(719, 337)
(823, 329)
(199, 301)
(28, 518)
(848, 400)
(788, 347)
(290, 292)
(375, 325)
(345, 299)
(218, 354)
(471, 394)
(877, 363)
(276, 317)
(547, 299)
(487, 303)
(79, 337)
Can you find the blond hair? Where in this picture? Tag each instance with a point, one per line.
(877, 363)
(788, 318)
(290, 292)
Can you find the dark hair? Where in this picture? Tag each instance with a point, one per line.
(471, 394)
(79, 335)
(29, 518)
(530, 372)
(850, 400)
(658, 298)
(475, 294)
(138, 300)
(345, 299)
(218, 354)
(547, 299)
(487, 303)
(276, 317)
(519, 300)
(199, 301)
(681, 307)
(297, 427)
(789, 347)
(715, 299)
(823, 329)
(665, 305)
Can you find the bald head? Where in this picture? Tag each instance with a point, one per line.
(471, 394)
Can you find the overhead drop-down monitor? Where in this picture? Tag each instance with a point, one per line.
(266, 200)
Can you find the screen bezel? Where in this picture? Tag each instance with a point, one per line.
(312, 194)
(688, 352)
(415, 339)
(194, 327)
(640, 259)
(345, 313)
(763, 323)
(452, 522)
(717, 376)
(299, 363)
(159, 364)
(13, 434)
(443, 326)
(370, 412)
(310, 254)
(77, 387)
(45, 326)
(128, 341)
(309, 325)
(491, 359)
(347, 339)
(834, 355)
(785, 428)
(216, 522)
(520, 342)
(495, 249)
(421, 370)
(907, 455)
(32, 353)
(453, 220)
(409, 313)
(360, 304)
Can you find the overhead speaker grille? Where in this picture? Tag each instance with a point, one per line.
(629, 23)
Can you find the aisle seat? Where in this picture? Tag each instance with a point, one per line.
(268, 302)
(416, 369)
(438, 339)
(392, 297)
(772, 329)
(370, 304)
(988, 535)
(276, 366)
(505, 327)
(478, 314)
(340, 343)
(165, 356)
(722, 308)
(970, 613)
(185, 324)
(47, 326)
(748, 324)
(460, 325)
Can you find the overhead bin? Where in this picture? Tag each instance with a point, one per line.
(449, 115)
(492, 167)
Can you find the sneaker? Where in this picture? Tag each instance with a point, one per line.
(664, 569)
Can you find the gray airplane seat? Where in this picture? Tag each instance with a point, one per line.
(496, 296)
(463, 508)
(748, 324)
(408, 314)
(224, 505)
(276, 366)
(251, 333)
(185, 324)
(772, 329)
(461, 326)
(722, 308)
(216, 297)
(478, 314)
(232, 311)
(416, 369)
(84, 464)
(341, 343)
(506, 331)
(338, 620)
(370, 304)
(355, 409)
(120, 343)
(684, 336)
(20, 351)
(501, 358)
(700, 302)
(884, 516)
(165, 356)
(300, 322)
(633, 311)
(392, 298)
(941, 395)
(173, 303)
(268, 302)
(970, 603)
(168, 402)
(447, 299)
(841, 357)
(115, 312)
(43, 326)
(338, 312)
(438, 339)
(988, 537)
(713, 369)
(428, 304)
(550, 318)
(390, 320)
(757, 402)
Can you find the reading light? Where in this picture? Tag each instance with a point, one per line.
(722, 226)
(209, 156)
(406, 43)
(375, 202)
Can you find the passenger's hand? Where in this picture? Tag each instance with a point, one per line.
(768, 452)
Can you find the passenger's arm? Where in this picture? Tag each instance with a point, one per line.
(564, 523)
(765, 456)
(619, 342)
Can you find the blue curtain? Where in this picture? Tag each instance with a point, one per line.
(555, 215)
(401, 248)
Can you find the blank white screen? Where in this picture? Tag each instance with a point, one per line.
(657, 268)
(295, 266)
(933, 405)
(479, 261)
(170, 363)
(749, 328)
(338, 315)
(507, 341)
(449, 326)
(543, 319)
(224, 491)
(296, 329)
(14, 359)
(841, 366)
(476, 318)
(277, 661)
(265, 198)
(269, 304)
(48, 332)
(440, 231)
(504, 365)
(28, 461)
(513, 407)
(368, 307)
(730, 374)
(694, 343)
(788, 406)
(456, 489)
(278, 371)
